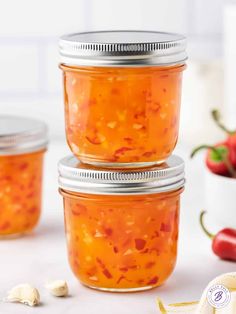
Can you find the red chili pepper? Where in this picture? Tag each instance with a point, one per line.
(231, 141)
(232, 145)
(217, 159)
(223, 243)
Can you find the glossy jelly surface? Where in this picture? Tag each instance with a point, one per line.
(122, 243)
(20, 192)
(122, 116)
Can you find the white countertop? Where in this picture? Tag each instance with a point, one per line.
(42, 256)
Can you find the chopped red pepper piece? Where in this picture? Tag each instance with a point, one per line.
(94, 140)
(79, 209)
(121, 278)
(139, 244)
(115, 249)
(129, 140)
(5, 225)
(141, 114)
(150, 265)
(122, 150)
(32, 210)
(115, 91)
(149, 154)
(165, 227)
(24, 166)
(153, 281)
(108, 231)
(107, 273)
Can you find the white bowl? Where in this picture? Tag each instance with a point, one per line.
(220, 200)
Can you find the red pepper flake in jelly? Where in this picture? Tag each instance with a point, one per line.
(95, 140)
(121, 278)
(150, 265)
(5, 226)
(115, 91)
(24, 166)
(129, 140)
(148, 154)
(139, 115)
(153, 281)
(165, 131)
(140, 244)
(115, 249)
(107, 273)
(108, 231)
(165, 227)
(79, 209)
(122, 150)
(155, 108)
(33, 209)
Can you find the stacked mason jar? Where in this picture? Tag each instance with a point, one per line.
(121, 187)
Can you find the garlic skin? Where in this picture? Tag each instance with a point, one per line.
(24, 293)
(58, 288)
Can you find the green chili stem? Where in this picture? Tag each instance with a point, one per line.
(201, 147)
(210, 235)
(217, 118)
(230, 167)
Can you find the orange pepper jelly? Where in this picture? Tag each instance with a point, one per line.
(22, 145)
(122, 95)
(122, 226)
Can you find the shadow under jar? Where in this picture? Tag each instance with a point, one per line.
(23, 143)
(121, 226)
(122, 94)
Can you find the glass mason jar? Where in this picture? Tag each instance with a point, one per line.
(23, 142)
(121, 226)
(122, 92)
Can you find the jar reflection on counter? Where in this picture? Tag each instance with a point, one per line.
(121, 241)
(122, 107)
(22, 146)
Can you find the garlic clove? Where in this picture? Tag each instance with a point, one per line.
(24, 293)
(58, 288)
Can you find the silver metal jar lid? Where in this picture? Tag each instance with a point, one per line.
(21, 135)
(77, 177)
(122, 48)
